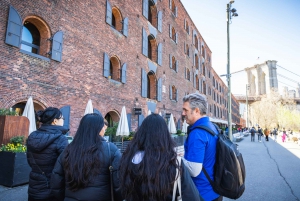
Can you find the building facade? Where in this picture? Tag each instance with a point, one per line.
(143, 54)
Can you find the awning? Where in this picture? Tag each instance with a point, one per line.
(218, 120)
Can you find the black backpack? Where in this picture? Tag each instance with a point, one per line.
(229, 169)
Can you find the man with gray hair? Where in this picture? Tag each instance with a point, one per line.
(200, 145)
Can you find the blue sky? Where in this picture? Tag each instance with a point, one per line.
(268, 29)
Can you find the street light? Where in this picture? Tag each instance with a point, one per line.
(230, 13)
(247, 88)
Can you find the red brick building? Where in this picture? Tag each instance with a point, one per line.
(140, 54)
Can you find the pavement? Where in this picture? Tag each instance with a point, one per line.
(272, 172)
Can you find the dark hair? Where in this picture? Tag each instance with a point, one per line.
(154, 176)
(81, 160)
(48, 115)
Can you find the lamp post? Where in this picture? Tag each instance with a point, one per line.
(247, 88)
(231, 12)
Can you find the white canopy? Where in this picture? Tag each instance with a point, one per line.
(89, 108)
(123, 129)
(29, 113)
(171, 125)
(184, 127)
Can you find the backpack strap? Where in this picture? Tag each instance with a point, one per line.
(213, 134)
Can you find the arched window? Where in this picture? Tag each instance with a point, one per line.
(203, 52)
(151, 84)
(188, 74)
(34, 36)
(187, 50)
(204, 87)
(174, 92)
(173, 8)
(197, 82)
(152, 48)
(196, 41)
(173, 63)
(152, 13)
(197, 62)
(173, 34)
(114, 70)
(117, 19)
(187, 28)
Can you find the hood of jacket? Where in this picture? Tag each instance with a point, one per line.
(44, 136)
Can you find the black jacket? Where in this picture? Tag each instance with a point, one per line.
(99, 188)
(43, 148)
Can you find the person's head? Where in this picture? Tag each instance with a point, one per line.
(194, 107)
(82, 161)
(155, 173)
(102, 132)
(89, 129)
(51, 116)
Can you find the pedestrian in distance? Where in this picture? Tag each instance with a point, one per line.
(43, 148)
(275, 134)
(283, 137)
(267, 132)
(252, 132)
(149, 165)
(82, 171)
(200, 146)
(259, 134)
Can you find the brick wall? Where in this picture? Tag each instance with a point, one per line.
(79, 77)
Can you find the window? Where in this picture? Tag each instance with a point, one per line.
(204, 87)
(196, 41)
(187, 28)
(151, 84)
(188, 74)
(30, 38)
(152, 48)
(203, 69)
(173, 7)
(197, 61)
(114, 18)
(151, 87)
(197, 82)
(112, 69)
(187, 50)
(173, 34)
(203, 52)
(174, 93)
(173, 63)
(150, 12)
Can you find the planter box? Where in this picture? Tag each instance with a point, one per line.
(14, 169)
(12, 126)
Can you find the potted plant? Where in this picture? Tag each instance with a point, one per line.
(14, 169)
(12, 125)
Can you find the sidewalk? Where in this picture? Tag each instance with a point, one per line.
(272, 170)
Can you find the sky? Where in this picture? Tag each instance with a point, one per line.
(264, 30)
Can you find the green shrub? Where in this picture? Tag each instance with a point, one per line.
(17, 140)
(5, 111)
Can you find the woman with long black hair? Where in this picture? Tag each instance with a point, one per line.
(82, 170)
(148, 166)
